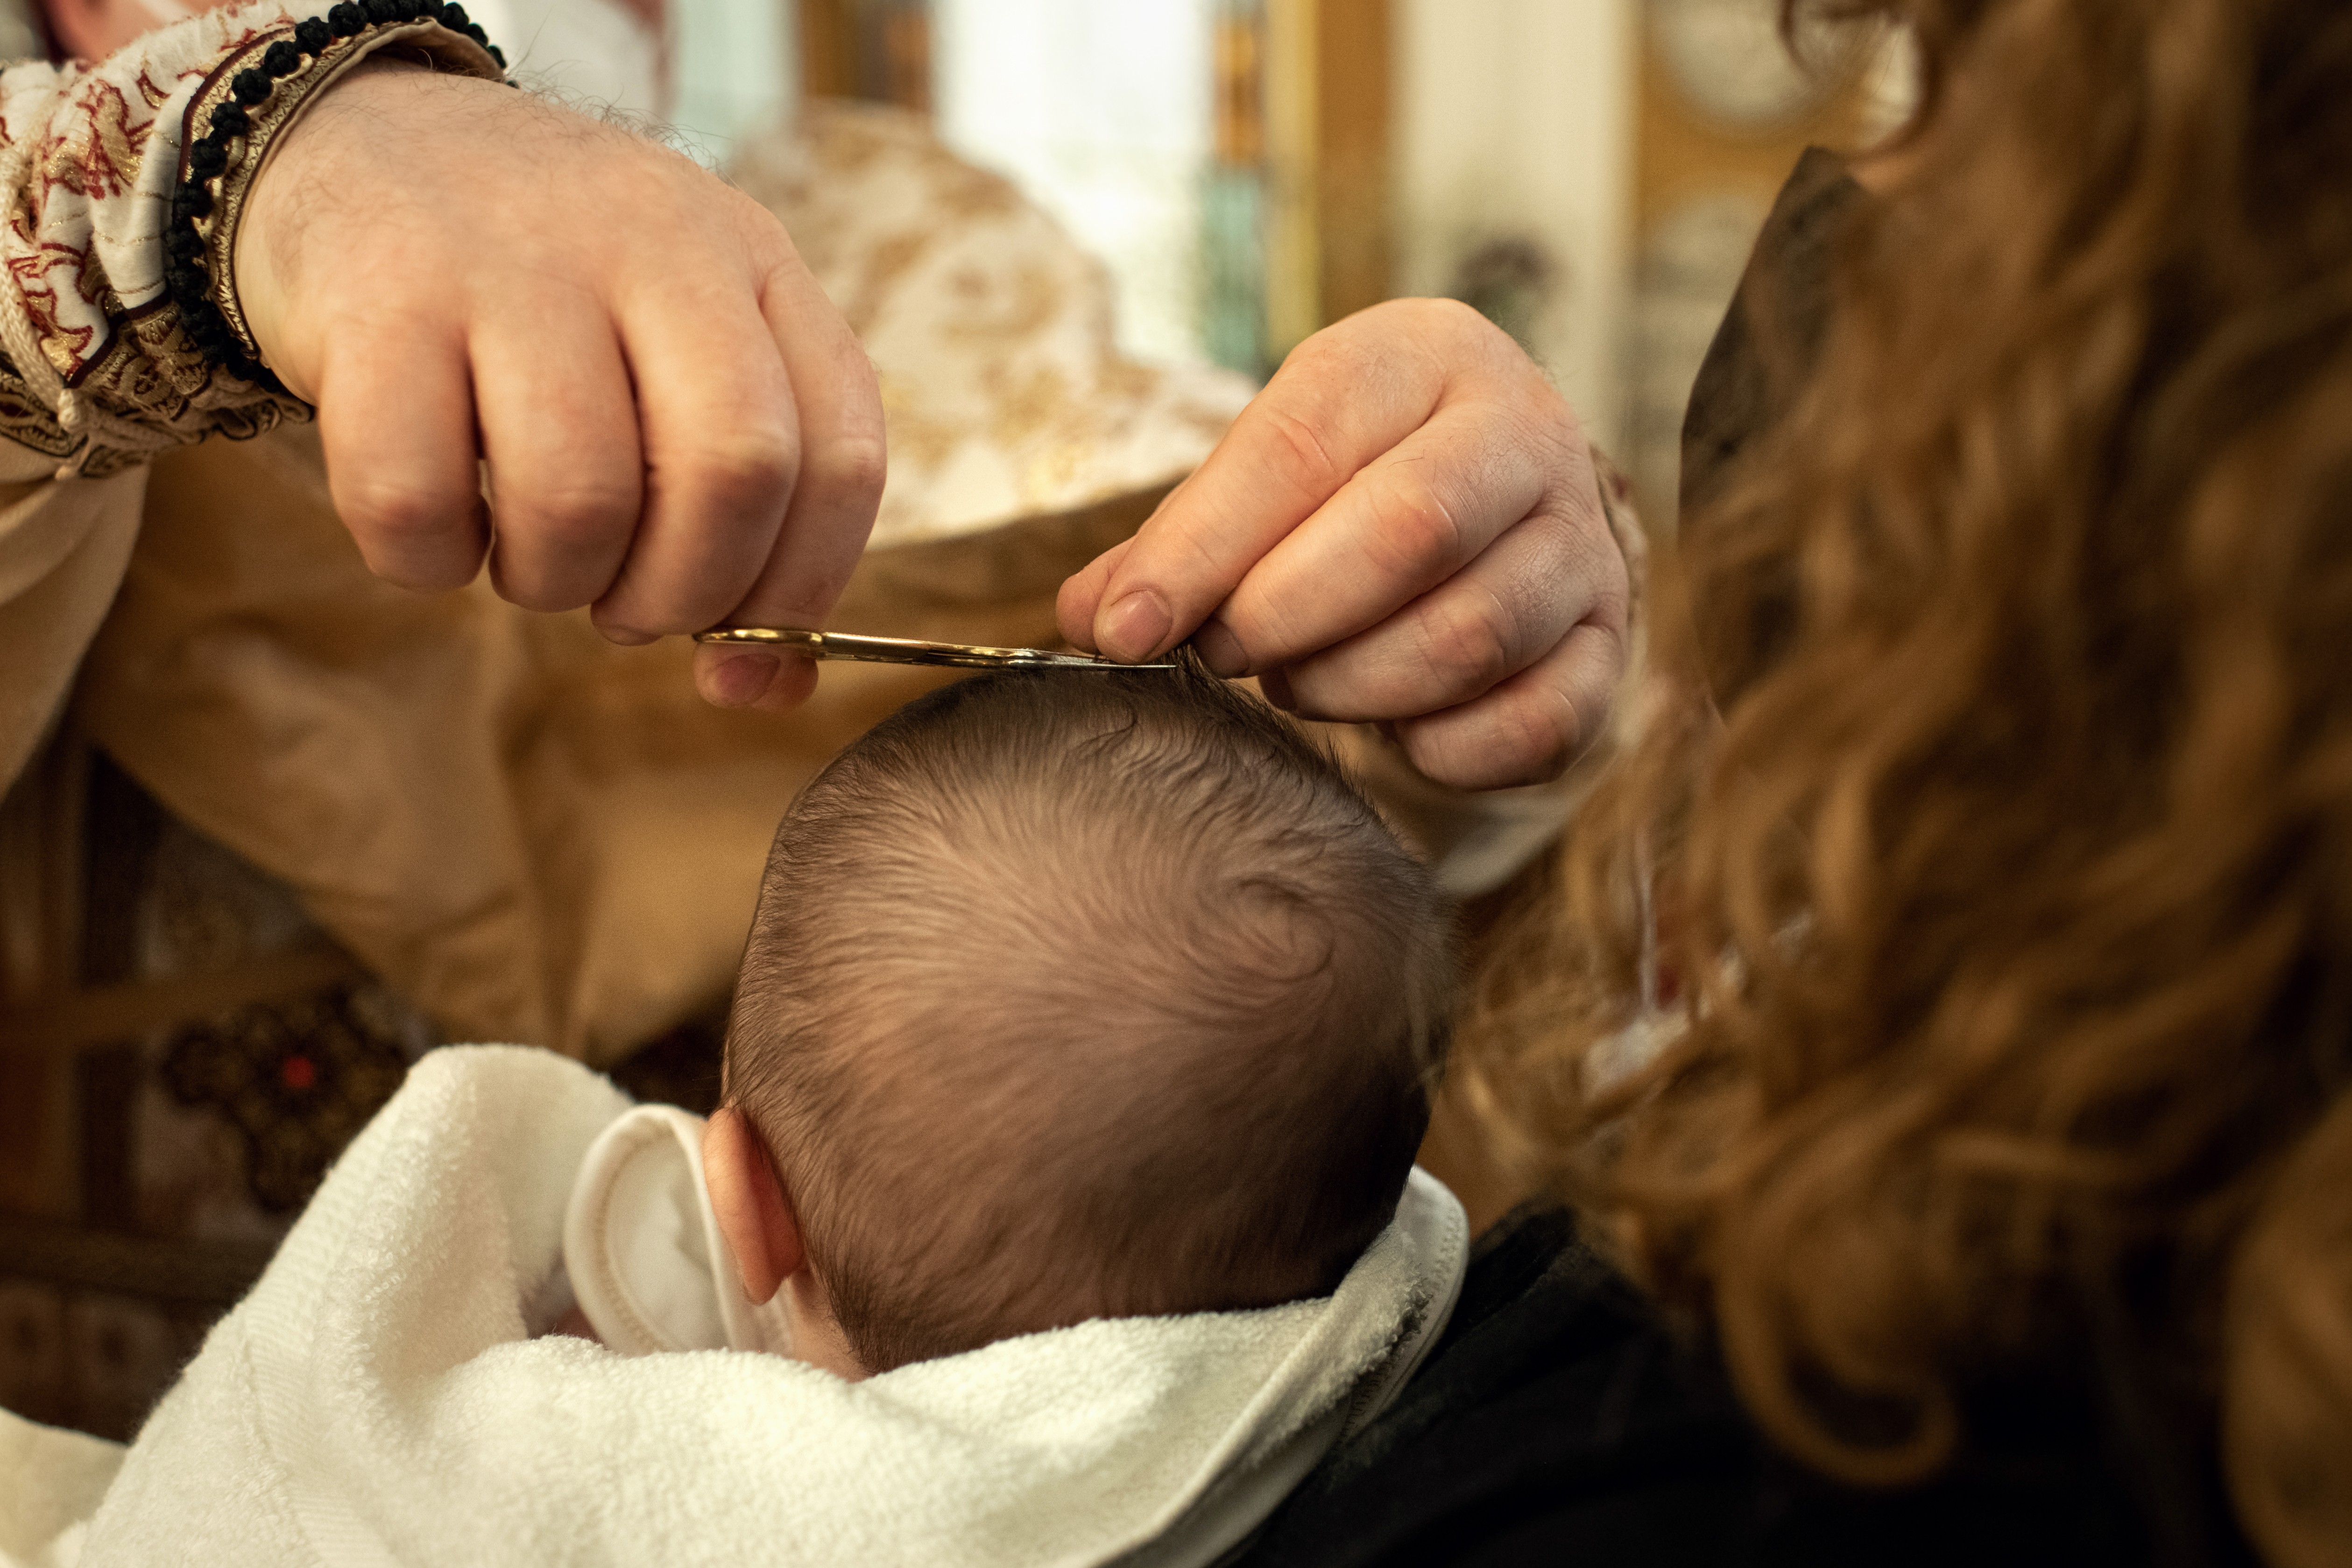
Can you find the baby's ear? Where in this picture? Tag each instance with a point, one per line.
(754, 1216)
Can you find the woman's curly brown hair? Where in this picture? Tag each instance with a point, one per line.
(1993, 807)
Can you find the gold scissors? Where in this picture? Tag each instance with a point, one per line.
(906, 650)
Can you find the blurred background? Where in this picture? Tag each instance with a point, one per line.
(1589, 174)
(188, 1039)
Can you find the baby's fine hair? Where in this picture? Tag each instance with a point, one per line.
(1079, 995)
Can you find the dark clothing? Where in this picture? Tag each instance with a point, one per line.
(1772, 332)
(1561, 1419)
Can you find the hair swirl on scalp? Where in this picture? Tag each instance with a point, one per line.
(1085, 995)
(1991, 826)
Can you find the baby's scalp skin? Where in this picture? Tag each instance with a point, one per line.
(1083, 995)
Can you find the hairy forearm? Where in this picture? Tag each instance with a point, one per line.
(101, 366)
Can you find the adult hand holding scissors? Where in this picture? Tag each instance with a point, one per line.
(679, 428)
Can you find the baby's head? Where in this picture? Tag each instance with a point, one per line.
(1077, 995)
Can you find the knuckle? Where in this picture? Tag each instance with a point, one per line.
(651, 608)
(410, 535)
(1551, 418)
(1541, 732)
(764, 236)
(1303, 459)
(1467, 342)
(399, 514)
(526, 590)
(567, 518)
(808, 593)
(1341, 347)
(1469, 642)
(1450, 316)
(1418, 532)
(630, 617)
(1451, 322)
(743, 467)
(852, 468)
(1521, 738)
(1612, 608)
(1566, 550)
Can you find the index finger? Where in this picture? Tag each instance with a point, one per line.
(1332, 407)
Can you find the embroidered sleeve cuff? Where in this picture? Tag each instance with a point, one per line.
(120, 186)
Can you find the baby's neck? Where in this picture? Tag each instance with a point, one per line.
(817, 1338)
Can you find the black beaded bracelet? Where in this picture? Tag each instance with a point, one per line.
(187, 258)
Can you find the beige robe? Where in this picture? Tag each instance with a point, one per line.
(534, 835)
(530, 833)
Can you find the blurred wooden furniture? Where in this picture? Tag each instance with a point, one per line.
(181, 1056)
(115, 1257)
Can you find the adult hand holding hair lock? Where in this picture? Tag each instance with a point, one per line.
(1406, 527)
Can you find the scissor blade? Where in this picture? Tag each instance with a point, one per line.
(908, 650)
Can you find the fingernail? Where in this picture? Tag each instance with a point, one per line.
(1275, 686)
(1134, 629)
(745, 679)
(628, 638)
(1220, 650)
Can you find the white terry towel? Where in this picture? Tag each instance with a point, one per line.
(378, 1399)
